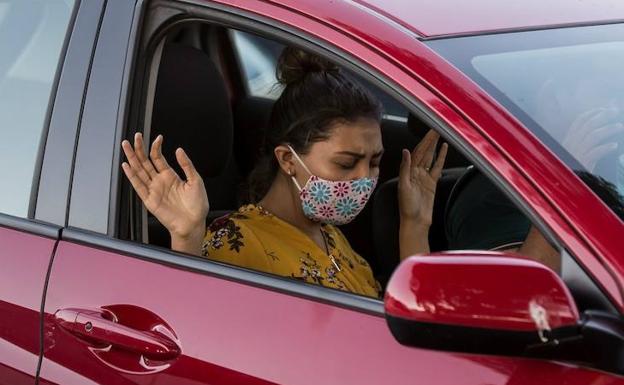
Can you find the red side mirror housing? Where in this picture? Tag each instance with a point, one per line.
(488, 303)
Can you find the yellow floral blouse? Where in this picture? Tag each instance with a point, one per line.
(256, 239)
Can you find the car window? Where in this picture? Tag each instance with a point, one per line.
(32, 33)
(258, 60)
(470, 212)
(566, 85)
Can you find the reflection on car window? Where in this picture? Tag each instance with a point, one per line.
(566, 85)
(31, 37)
(258, 60)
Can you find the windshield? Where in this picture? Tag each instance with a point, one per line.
(566, 85)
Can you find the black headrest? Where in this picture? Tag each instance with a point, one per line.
(251, 120)
(191, 109)
(386, 229)
(416, 127)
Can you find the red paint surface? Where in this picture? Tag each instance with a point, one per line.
(444, 17)
(429, 18)
(486, 290)
(231, 333)
(24, 260)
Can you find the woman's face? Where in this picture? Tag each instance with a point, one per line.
(353, 150)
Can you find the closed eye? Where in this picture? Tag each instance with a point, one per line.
(346, 166)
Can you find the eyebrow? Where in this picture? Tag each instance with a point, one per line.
(358, 155)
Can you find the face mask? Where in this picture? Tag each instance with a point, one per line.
(333, 202)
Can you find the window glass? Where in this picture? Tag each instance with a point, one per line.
(31, 39)
(566, 85)
(258, 59)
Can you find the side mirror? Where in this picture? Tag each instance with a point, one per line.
(483, 303)
(493, 303)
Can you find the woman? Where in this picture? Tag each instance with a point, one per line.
(319, 167)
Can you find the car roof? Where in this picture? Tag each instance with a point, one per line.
(432, 18)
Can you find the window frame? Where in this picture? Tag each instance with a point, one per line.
(230, 17)
(95, 177)
(52, 201)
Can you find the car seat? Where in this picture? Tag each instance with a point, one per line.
(192, 110)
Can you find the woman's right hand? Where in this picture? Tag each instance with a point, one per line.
(181, 206)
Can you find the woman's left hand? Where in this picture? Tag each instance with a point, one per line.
(418, 178)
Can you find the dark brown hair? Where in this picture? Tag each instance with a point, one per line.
(316, 95)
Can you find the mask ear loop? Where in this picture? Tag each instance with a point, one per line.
(296, 183)
(302, 164)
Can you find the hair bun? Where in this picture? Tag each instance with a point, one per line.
(295, 64)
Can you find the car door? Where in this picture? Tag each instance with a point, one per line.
(122, 312)
(34, 48)
(25, 255)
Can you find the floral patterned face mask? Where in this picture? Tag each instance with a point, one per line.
(333, 202)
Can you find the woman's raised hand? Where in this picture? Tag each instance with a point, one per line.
(418, 178)
(180, 205)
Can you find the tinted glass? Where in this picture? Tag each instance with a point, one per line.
(32, 33)
(566, 85)
(258, 59)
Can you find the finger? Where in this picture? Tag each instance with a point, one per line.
(404, 168)
(592, 157)
(156, 155)
(135, 164)
(187, 166)
(585, 125)
(581, 120)
(135, 181)
(604, 117)
(607, 132)
(140, 153)
(436, 171)
(421, 149)
(430, 153)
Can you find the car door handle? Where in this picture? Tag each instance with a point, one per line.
(101, 326)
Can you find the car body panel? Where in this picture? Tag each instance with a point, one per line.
(454, 17)
(236, 331)
(457, 17)
(430, 19)
(233, 333)
(24, 258)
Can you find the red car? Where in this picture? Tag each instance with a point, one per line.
(529, 93)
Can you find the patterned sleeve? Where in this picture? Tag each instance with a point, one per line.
(228, 240)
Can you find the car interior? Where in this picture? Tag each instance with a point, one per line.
(213, 94)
